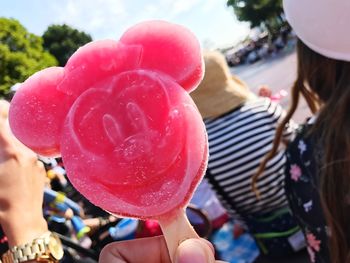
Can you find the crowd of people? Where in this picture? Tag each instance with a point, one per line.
(262, 47)
(286, 185)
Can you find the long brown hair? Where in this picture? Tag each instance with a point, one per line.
(325, 85)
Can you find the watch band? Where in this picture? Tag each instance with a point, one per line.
(30, 251)
(25, 252)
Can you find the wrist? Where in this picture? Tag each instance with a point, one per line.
(23, 229)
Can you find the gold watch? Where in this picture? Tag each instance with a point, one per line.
(47, 248)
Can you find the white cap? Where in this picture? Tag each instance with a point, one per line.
(323, 25)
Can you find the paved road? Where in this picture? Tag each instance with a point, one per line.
(278, 73)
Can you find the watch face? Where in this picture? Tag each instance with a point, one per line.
(55, 247)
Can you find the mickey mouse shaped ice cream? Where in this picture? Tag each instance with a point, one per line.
(119, 114)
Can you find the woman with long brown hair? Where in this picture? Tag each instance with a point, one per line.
(318, 166)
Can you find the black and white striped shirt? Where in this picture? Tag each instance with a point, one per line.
(238, 141)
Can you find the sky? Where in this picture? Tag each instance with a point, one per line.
(214, 24)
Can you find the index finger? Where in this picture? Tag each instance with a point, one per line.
(4, 108)
(9, 145)
(5, 133)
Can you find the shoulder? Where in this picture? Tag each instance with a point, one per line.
(257, 112)
(264, 107)
(257, 105)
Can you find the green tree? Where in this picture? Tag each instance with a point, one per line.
(21, 54)
(266, 13)
(62, 41)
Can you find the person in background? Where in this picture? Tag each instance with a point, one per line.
(241, 128)
(318, 166)
(265, 91)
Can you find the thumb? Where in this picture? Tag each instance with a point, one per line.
(195, 251)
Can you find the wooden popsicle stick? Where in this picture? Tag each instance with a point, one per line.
(176, 230)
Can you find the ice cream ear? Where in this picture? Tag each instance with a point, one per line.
(170, 49)
(98, 60)
(38, 110)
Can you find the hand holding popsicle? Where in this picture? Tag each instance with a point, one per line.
(154, 250)
(119, 113)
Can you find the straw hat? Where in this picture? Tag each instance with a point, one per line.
(322, 25)
(219, 91)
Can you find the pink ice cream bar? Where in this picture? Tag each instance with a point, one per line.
(119, 114)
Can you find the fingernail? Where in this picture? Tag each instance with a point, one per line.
(191, 252)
